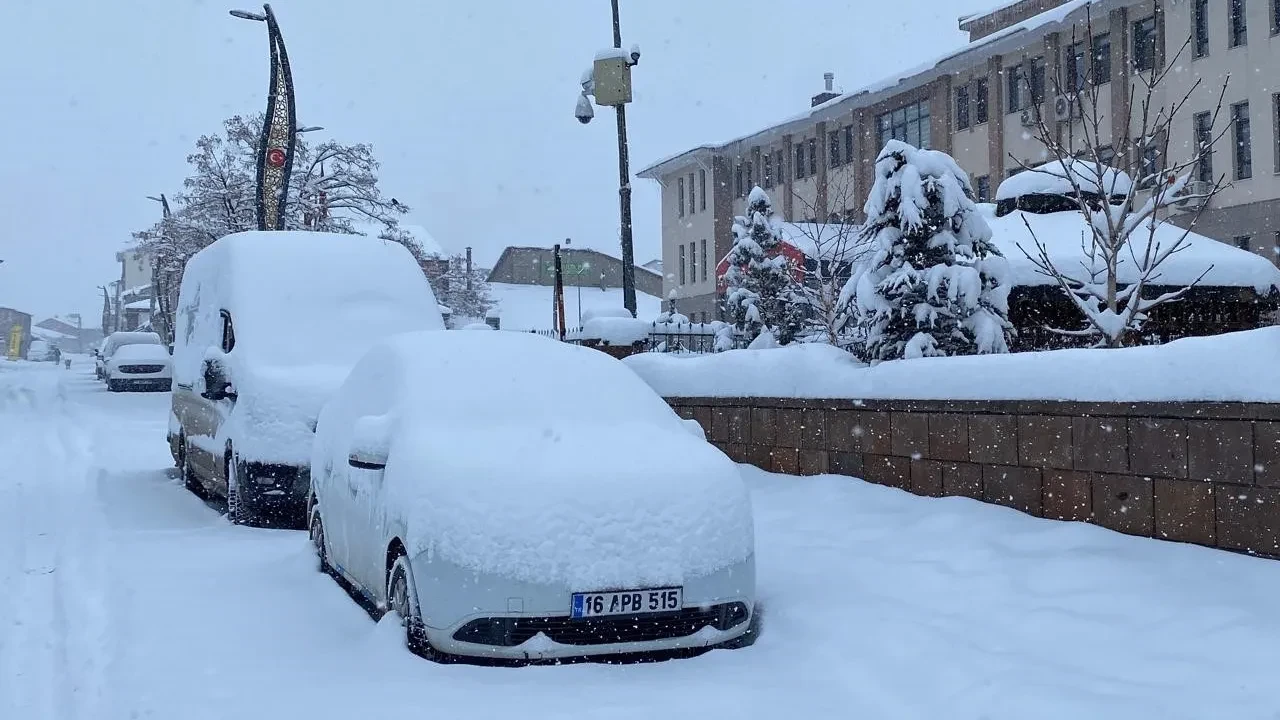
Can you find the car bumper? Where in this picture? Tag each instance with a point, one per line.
(490, 617)
(274, 484)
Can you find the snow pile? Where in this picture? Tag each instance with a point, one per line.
(138, 353)
(613, 330)
(605, 311)
(1190, 369)
(1063, 232)
(495, 470)
(1054, 178)
(477, 326)
(119, 339)
(531, 307)
(304, 307)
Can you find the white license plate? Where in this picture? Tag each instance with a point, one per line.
(627, 602)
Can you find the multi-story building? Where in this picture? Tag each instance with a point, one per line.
(970, 103)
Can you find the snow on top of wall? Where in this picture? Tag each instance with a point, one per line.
(1053, 178)
(528, 307)
(1191, 369)
(1063, 232)
(613, 330)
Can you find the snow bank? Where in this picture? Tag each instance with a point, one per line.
(1190, 369)
(1053, 178)
(605, 311)
(614, 330)
(1063, 232)
(594, 484)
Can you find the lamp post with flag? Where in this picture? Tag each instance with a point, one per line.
(279, 129)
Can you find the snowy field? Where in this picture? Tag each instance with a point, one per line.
(126, 597)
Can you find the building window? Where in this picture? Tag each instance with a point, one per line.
(691, 193)
(1244, 242)
(1144, 44)
(737, 182)
(1237, 25)
(909, 124)
(1149, 165)
(680, 196)
(1074, 67)
(693, 262)
(848, 143)
(962, 107)
(751, 177)
(980, 101)
(1203, 125)
(704, 259)
(1010, 173)
(1275, 17)
(780, 167)
(1017, 81)
(984, 188)
(1275, 125)
(1200, 27)
(682, 261)
(1107, 156)
(813, 156)
(1102, 59)
(833, 148)
(702, 189)
(1037, 79)
(767, 169)
(799, 171)
(1243, 141)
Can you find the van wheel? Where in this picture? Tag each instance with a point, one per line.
(237, 513)
(402, 599)
(317, 539)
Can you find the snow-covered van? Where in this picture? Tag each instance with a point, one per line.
(268, 325)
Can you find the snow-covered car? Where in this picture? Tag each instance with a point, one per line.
(117, 340)
(515, 498)
(40, 351)
(140, 366)
(267, 326)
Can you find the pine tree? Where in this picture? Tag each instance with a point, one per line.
(935, 284)
(760, 293)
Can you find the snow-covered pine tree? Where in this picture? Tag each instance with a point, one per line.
(760, 294)
(935, 284)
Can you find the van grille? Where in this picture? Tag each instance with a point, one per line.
(140, 369)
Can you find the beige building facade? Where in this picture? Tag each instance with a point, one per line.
(973, 104)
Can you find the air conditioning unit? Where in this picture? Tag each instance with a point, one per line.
(1028, 118)
(1192, 194)
(1065, 108)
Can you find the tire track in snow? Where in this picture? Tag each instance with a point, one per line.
(54, 629)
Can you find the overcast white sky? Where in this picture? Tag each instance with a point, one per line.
(469, 106)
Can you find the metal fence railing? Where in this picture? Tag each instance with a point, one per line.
(683, 337)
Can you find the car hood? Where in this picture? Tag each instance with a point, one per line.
(620, 506)
(276, 407)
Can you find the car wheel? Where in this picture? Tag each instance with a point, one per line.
(317, 539)
(402, 599)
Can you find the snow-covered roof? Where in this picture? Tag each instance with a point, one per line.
(50, 335)
(872, 93)
(528, 307)
(1053, 178)
(1062, 233)
(137, 289)
(138, 305)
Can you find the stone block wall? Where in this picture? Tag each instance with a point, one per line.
(1204, 473)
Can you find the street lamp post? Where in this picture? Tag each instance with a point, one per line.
(279, 129)
(609, 81)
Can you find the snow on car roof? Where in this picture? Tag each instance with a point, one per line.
(141, 351)
(1052, 178)
(1062, 233)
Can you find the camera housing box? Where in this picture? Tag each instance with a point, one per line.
(612, 80)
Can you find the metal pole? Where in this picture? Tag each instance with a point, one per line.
(624, 189)
(559, 293)
(468, 268)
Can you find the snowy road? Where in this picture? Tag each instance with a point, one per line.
(126, 597)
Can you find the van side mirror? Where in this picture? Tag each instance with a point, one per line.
(216, 384)
(370, 443)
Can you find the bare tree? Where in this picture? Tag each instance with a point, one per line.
(832, 249)
(1121, 218)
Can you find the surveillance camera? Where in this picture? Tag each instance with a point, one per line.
(584, 111)
(635, 54)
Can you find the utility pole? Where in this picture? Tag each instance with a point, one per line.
(468, 268)
(559, 293)
(624, 189)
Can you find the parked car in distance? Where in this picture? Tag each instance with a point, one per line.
(140, 367)
(40, 351)
(117, 340)
(517, 498)
(268, 325)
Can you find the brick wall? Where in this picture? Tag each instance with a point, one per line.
(1204, 473)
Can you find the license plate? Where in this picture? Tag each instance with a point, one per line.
(626, 602)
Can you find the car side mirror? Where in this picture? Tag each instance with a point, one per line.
(370, 443)
(216, 384)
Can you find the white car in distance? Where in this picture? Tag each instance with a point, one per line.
(518, 498)
(141, 366)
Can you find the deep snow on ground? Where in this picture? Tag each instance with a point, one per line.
(126, 597)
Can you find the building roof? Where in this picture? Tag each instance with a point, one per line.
(872, 93)
(564, 251)
(14, 310)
